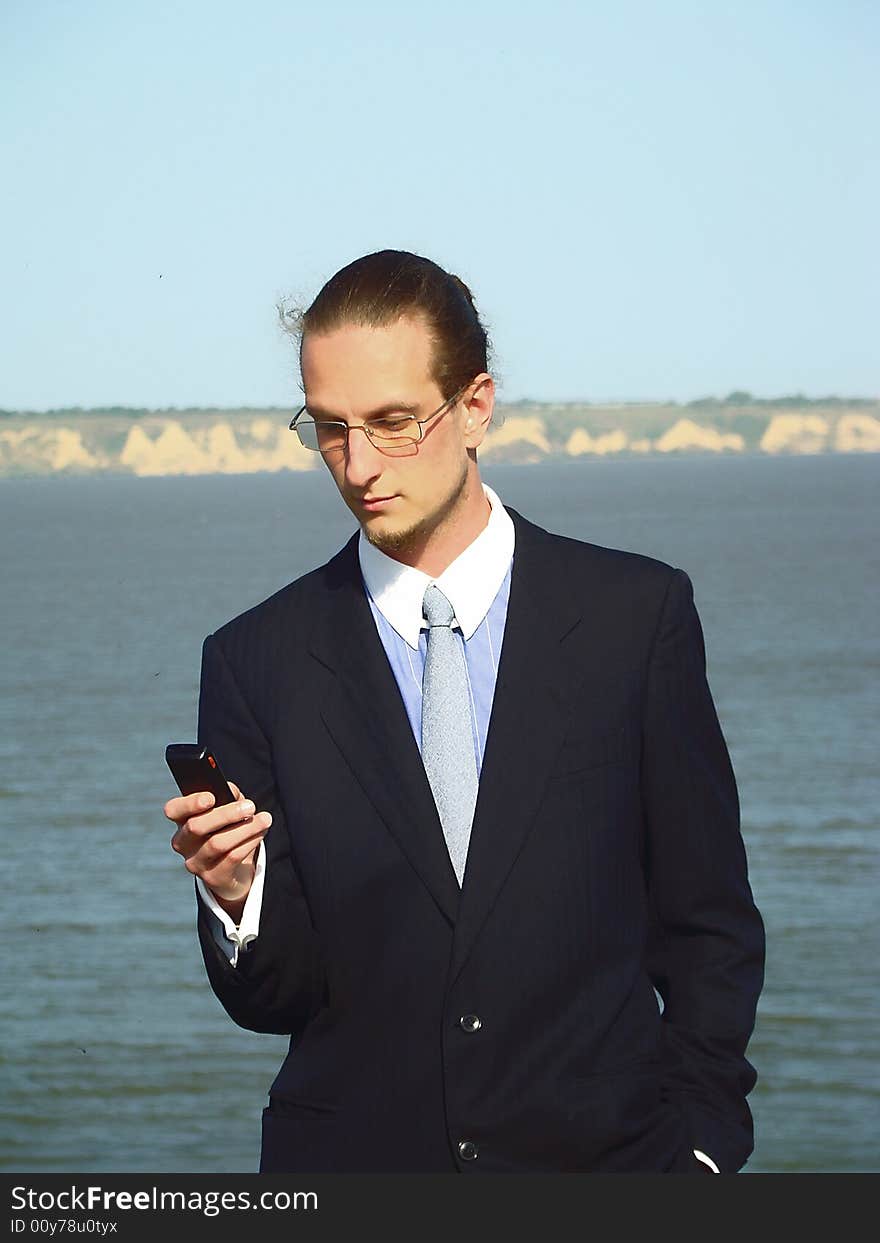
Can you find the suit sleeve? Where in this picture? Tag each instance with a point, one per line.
(278, 982)
(706, 945)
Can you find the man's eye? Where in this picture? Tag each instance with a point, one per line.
(389, 428)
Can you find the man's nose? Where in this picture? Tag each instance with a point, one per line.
(363, 461)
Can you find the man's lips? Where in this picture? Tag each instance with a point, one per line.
(374, 502)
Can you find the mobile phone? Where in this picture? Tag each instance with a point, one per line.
(195, 768)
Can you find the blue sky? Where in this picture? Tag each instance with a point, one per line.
(649, 200)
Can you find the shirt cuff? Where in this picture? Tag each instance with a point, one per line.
(233, 938)
(701, 1156)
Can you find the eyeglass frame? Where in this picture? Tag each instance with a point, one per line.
(365, 427)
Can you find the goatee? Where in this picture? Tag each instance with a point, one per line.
(408, 539)
(396, 541)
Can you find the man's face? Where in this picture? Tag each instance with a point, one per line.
(356, 373)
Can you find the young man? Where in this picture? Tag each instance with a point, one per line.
(487, 804)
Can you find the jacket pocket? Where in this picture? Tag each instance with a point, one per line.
(290, 1107)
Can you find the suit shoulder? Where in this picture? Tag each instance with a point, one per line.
(613, 564)
(620, 561)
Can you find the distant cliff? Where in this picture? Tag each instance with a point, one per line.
(201, 442)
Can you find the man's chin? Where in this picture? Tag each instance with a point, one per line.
(392, 534)
(391, 539)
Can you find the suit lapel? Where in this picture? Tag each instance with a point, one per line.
(366, 717)
(526, 727)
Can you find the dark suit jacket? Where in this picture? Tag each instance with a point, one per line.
(605, 861)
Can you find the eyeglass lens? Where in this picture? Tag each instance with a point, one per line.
(324, 437)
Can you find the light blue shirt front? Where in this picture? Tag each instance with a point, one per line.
(481, 651)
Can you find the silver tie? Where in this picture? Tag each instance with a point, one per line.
(447, 732)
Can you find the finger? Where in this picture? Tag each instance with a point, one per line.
(194, 828)
(183, 806)
(222, 817)
(222, 852)
(205, 823)
(214, 845)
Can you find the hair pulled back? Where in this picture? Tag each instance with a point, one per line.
(376, 290)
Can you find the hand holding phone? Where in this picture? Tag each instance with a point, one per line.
(218, 843)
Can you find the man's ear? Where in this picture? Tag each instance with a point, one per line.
(479, 403)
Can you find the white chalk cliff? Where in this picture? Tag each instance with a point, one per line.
(198, 444)
(216, 449)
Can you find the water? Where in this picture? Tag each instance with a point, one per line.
(115, 1054)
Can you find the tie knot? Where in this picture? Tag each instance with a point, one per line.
(436, 608)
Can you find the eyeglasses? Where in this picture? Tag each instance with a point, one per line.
(328, 436)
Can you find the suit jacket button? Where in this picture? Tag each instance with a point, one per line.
(470, 1022)
(468, 1150)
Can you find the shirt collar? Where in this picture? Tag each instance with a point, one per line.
(470, 582)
